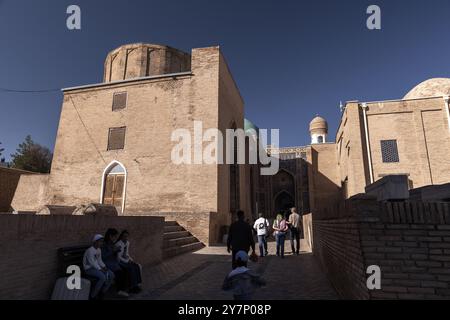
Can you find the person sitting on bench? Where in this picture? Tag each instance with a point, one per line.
(94, 267)
(110, 257)
(132, 268)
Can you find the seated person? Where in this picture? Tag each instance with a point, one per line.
(94, 266)
(110, 258)
(126, 262)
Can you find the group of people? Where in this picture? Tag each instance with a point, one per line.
(283, 224)
(241, 280)
(108, 260)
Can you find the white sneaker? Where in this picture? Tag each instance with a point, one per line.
(122, 294)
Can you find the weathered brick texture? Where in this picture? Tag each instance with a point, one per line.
(9, 180)
(409, 241)
(203, 225)
(28, 250)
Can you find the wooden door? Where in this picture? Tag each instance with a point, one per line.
(113, 194)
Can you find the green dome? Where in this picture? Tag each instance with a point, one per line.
(249, 125)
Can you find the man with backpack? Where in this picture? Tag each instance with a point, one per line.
(261, 226)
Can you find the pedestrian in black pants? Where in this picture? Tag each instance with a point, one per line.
(240, 237)
(294, 223)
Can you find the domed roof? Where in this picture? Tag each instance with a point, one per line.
(430, 88)
(138, 60)
(318, 124)
(248, 125)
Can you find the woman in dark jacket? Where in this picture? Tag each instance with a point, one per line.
(109, 257)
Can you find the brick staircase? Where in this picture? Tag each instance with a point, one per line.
(178, 240)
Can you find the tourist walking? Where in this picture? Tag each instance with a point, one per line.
(280, 226)
(240, 237)
(261, 226)
(294, 223)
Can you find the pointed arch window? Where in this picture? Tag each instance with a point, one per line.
(114, 182)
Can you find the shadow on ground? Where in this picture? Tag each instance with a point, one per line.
(199, 276)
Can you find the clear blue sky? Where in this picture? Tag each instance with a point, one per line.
(291, 59)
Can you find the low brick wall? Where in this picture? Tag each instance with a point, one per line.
(31, 193)
(205, 226)
(9, 180)
(337, 246)
(28, 250)
(409, 241)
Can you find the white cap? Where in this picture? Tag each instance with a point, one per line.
(97, 237)
(242, 255)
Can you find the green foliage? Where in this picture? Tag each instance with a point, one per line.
(32, 156)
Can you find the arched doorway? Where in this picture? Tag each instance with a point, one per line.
(114, 185)
(283, 188)
(283, 202)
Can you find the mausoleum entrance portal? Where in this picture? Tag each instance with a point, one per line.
(283, 202)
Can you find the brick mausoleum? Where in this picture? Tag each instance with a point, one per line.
(113, 147)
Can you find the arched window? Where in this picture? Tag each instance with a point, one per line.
(114, 185)
(320, 139)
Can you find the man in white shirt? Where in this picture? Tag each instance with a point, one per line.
(262, 228)
(93, 266)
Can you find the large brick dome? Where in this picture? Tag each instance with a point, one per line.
(430, 88)
(143, 59)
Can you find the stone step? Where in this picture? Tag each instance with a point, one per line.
(176, 234)
(169, 243)
(171, 252)
(173, 228)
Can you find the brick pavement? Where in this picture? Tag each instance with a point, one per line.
(199, 276)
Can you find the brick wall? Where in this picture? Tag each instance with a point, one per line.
(337, 246)
(31, 193)
(9, 179)
(28, 250)
(409, 241)
(205, 226)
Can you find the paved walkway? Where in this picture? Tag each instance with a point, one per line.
(199, 276)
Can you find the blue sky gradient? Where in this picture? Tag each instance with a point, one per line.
(291, 59)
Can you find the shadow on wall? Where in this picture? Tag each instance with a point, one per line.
(29, 258)
(31, 193)
(406, 239)
(324, 192)
(9, 182)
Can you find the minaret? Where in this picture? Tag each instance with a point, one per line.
(318, 128)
